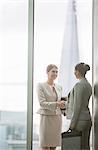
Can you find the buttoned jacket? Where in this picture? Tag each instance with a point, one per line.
(78, 102)
(46, 99)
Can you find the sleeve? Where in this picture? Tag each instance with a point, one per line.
(43, 101)
(78, 90)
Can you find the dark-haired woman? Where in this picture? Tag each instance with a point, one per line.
(78, 101)
(49, 96)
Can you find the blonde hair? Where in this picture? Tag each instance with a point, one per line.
(50, 66)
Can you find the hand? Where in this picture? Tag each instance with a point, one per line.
(61, 104)
(63, 98)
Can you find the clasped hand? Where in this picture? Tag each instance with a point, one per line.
(61, 104)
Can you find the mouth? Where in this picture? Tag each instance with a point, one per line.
(54, 76)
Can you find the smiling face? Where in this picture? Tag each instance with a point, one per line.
(53, 73)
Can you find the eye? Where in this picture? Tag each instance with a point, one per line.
(55, 71)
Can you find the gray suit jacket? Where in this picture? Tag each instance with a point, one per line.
(78, 101)
(46, 99)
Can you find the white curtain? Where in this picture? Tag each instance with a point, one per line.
(70, 52)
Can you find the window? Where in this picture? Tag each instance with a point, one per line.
(13, 73)
(50, 25)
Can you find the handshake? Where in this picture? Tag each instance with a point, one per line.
(64, 99)
(63, 109)
(62, 104)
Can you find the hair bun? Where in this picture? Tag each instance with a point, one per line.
(87, 67)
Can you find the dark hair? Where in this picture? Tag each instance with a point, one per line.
(82, 68)
(50, 66)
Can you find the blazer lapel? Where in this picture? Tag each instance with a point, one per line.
(57, 91)
(48, 88)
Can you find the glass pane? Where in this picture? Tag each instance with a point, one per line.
(95, 74)
(13, 73)
(54, 27)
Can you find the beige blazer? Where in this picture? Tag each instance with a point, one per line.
(78, 101)
(46, 99)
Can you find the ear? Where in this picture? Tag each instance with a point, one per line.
(79, 74)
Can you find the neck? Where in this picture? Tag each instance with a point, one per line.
(81, 78)
(50, 82)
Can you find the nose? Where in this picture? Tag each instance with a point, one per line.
(56, 72)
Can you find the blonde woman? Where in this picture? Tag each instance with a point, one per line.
(49, 95)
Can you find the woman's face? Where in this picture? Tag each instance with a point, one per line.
(52, 74)
(77, 74)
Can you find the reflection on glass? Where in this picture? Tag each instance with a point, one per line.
(95, 51)
(13, 74)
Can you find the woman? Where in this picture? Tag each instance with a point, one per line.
(49, 95)
(78, 101)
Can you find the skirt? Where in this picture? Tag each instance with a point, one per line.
(50, 130)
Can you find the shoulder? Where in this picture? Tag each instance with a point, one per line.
(82, 86)
(41, 84)
(79, 86)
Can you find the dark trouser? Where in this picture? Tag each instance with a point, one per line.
(86, 137)
(85, 142)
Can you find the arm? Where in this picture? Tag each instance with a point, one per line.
(78, 92)
(42, 99)
(44, 103)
